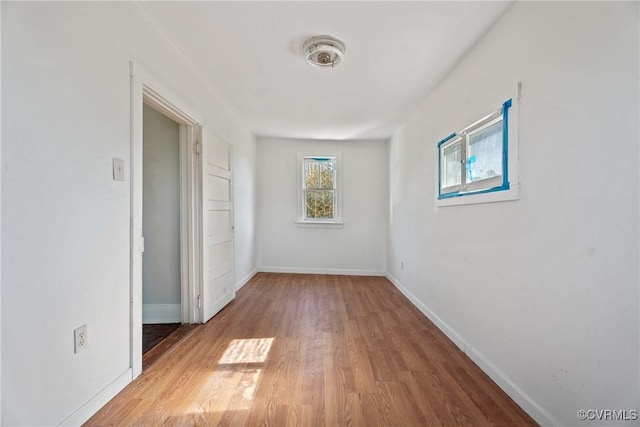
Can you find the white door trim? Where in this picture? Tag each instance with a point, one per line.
(145, 89)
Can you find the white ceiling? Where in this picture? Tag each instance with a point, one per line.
(397, 53)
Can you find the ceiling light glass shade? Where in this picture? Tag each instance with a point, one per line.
(323, 51)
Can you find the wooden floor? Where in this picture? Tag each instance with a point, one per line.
(314, 350)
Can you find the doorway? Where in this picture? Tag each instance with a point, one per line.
(161, 260)
(184, 309)
(206, 212)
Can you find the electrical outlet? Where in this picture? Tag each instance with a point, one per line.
(81, 339)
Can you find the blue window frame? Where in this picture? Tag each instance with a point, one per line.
(475, 160)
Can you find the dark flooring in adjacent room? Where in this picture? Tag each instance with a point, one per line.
(154, 333)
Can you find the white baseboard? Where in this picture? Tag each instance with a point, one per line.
(86, 411)
(161, 313)
(526, 403)
(246, 279)
(336, 271)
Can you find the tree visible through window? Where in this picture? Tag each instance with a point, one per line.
(319, 188)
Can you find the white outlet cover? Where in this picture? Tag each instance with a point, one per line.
(80, 339)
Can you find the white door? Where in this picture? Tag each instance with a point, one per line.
(218, 282)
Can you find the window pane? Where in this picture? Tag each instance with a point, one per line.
(485, 153)
(319, 204)
(319, 174)
(311, 174)
(451, 170)
(326, 175)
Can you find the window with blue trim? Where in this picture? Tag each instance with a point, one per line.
(475, 160)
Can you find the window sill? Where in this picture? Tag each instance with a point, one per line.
(320, 224)
(471, 199)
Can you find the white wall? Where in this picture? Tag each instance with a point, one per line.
(65, 71)
(542, 292)
(245, 201)
(161, 216)
(358, 247)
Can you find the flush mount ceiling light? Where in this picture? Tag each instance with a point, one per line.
(323, 51)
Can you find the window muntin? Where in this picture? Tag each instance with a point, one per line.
(474, 160)
(319, 188)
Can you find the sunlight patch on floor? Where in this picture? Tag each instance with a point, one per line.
(233, 385)
(253, 350)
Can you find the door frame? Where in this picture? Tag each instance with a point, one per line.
(145, 89)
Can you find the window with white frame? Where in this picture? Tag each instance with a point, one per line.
(319, 189)
(476, 160)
